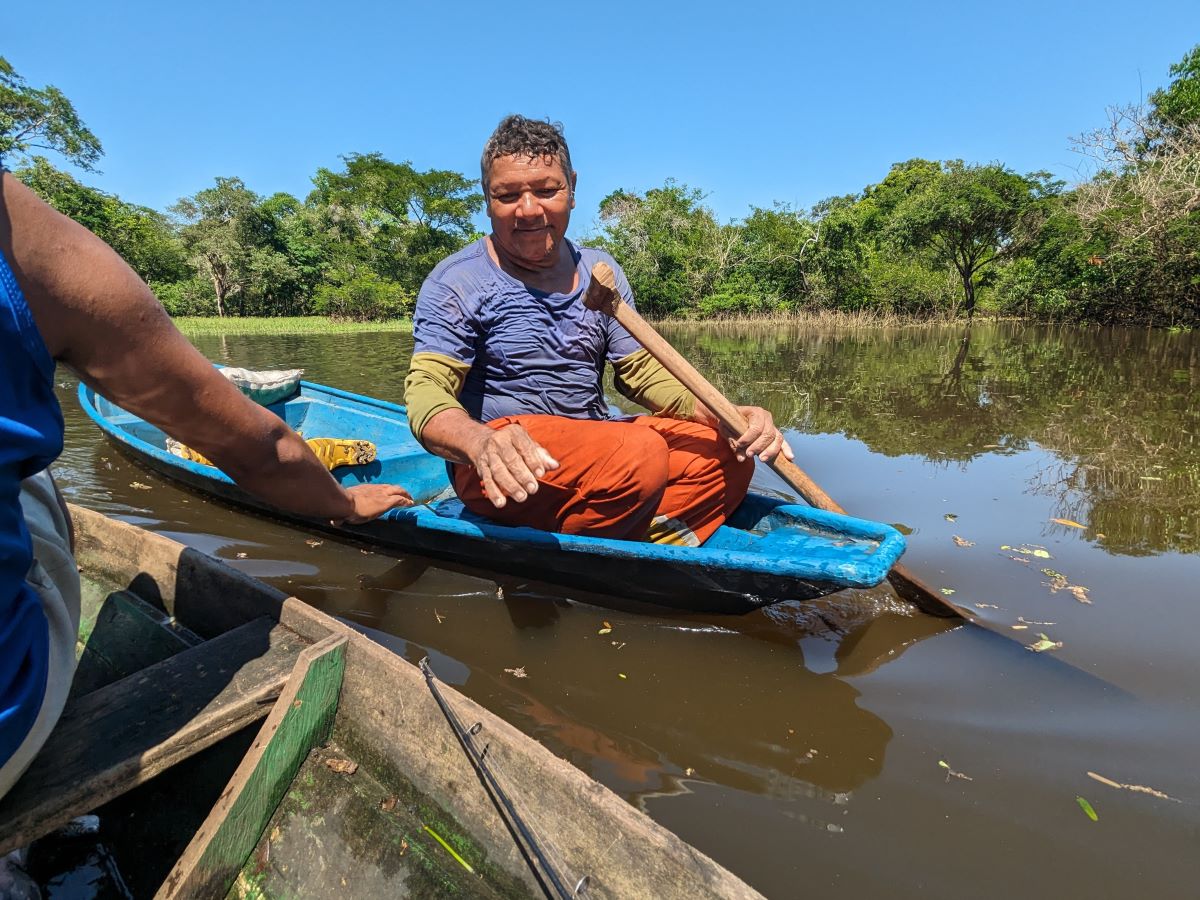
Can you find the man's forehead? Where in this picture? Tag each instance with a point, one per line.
(526, 170)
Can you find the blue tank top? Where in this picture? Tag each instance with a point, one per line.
(31, 436)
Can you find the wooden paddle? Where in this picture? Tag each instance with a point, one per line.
(602, 295)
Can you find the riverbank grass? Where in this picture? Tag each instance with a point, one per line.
(200, 326)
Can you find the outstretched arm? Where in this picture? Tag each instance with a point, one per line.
(96, 316)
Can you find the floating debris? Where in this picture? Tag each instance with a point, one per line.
(241, 555)
(440, 618)
(607, 629)
(1068, 523)
(947, 591)
(951, 517)
(689, 771)
(1025, 621)
(951, 773)
(961, 542)
(622, 675)
(1043, 644)
(314, 543)
(1137, 788)
(986, 606)
(138, 486)
(1087, 808)
(518, 672)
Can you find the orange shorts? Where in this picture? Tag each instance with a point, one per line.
(653, 479)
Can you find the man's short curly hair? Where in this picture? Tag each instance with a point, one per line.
(533, 138)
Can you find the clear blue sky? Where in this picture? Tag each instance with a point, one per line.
(751, 102)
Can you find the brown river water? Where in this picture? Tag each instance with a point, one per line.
(850, 747)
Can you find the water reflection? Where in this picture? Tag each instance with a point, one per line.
(797, 742)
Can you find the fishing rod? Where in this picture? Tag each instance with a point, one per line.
(519, 831)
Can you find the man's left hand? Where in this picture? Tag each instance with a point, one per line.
(761, 438)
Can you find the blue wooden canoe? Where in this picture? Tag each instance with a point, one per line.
(770, 550)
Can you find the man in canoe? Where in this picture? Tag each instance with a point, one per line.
(506, 377)
(65, 296)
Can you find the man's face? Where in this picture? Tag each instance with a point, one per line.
(529, 204)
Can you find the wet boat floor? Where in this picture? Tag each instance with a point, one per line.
(346, 834)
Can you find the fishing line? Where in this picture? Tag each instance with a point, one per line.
(517, 828)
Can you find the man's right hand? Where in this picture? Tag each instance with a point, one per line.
(509, 463)
(372, 500)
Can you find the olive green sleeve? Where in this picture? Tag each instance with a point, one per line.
(433, 384)
(642, 378)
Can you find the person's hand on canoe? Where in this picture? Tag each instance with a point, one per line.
(509, 463)
(372, 500)
(762, 438)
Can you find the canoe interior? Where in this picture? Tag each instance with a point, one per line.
(770, 549)
(155, 610)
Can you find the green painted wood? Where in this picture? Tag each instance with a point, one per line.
(302, 718)
(126, 733)
(122, 635)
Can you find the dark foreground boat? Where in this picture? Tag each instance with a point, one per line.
(770, 549)
(235, 741)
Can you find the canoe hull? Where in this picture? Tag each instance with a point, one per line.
(816, 553)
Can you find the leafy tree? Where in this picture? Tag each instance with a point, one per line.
(393, 219)
(670, 245)
(1178, 104)
(233, 240)
(42, 119)
(968, 216)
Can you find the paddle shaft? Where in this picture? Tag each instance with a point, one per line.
(602, 295)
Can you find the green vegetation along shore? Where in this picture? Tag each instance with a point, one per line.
(934, 238)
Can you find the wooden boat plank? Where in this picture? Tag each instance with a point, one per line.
(388, 722)
(301, 718)
(127, 732)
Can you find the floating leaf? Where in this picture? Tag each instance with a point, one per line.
(622, 675)
(1079, 592)
(138, 486)
(1042, 554)
(1068, 523)
(986, 606)
(1019, 627)
(951, 517)
(604, 631)
(962, 542)
(342, 766)
(517, 673)
(1087, 809)
(1043, 644)
(1050, 573)
(689, 771)
(440, 618)
(947, 591)
(313, 543)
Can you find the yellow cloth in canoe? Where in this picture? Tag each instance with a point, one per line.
(333, 452)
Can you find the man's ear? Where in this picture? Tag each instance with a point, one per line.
(574, 180)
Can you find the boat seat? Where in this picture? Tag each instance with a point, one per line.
(123, 734)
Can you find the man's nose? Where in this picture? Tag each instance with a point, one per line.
(528, 206)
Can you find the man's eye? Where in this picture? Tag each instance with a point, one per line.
(505, 198)
(547, 193)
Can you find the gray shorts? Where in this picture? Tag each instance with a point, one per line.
(55, 578)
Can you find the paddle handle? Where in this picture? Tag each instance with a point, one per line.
(602, 295)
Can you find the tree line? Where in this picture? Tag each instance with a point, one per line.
(932, 238)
